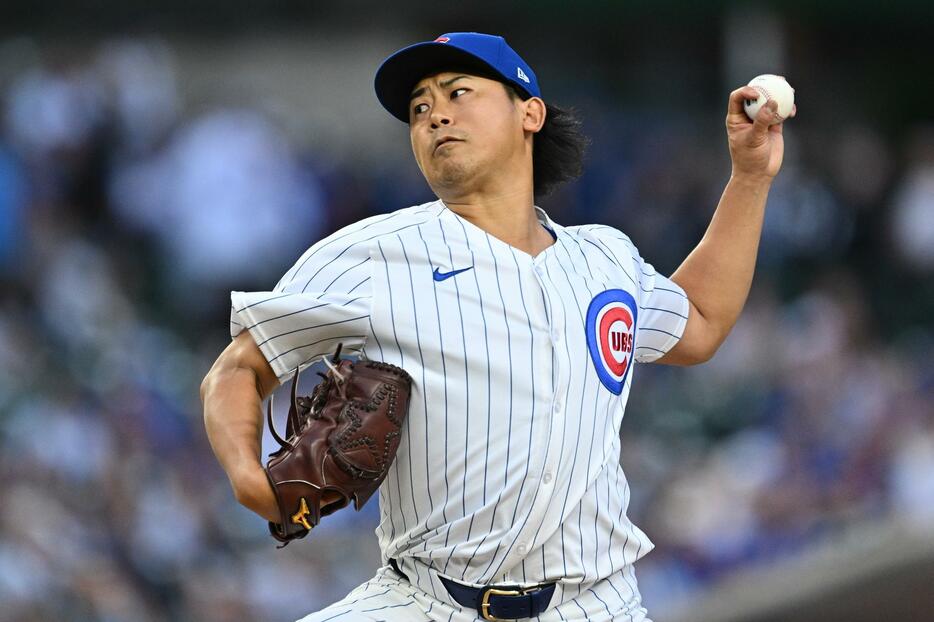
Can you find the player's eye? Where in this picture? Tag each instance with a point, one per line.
(455, 92)
(420, 108)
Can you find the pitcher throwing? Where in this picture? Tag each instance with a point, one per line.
(506, 500)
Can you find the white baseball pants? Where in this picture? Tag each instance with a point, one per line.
(389, 598)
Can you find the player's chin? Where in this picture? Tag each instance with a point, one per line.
(451, 173)
(450, 181)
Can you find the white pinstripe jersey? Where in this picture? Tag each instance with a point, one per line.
(509, 465)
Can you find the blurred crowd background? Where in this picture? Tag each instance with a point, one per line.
(149, 166)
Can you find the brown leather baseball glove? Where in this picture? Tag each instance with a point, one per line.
(340, 439)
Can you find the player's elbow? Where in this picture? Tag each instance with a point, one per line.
(214, 381)
(702, 355)
(241, 361)
(699, 342)
(689, 353)
(226, 369)
(205, 386)
(707, 345)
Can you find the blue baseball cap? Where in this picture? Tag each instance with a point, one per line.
(475, 52)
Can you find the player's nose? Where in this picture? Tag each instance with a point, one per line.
(440, 117)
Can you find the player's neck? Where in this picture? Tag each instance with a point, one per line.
(510, 218)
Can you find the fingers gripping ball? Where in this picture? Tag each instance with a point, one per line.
(340, 442)
(771, 87)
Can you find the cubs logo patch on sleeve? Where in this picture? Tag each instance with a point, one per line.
(611, 330)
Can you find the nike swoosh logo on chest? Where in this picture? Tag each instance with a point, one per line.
(440, 276)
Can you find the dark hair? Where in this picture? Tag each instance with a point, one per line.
(557, 149)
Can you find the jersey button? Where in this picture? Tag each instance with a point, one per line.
(520, 549)
(546, 478)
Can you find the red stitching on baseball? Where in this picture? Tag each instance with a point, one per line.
(768, 96)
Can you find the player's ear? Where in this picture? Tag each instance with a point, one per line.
(533, 114)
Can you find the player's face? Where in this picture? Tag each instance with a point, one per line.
(466, 130)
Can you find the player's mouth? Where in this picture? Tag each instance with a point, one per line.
(444, 140)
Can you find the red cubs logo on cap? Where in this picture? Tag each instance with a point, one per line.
(442, 39)
(611, 331)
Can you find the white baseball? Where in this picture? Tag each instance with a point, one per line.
(771, 87)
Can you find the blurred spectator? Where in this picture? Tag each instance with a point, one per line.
(226, 198)
(913, 214)
(50, 111)
(143, 93)
(12, 209)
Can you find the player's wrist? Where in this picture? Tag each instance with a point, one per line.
(751, 179)
(252, 490)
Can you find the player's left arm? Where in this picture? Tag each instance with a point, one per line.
(717, 274)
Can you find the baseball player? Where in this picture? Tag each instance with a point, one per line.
(506, 499)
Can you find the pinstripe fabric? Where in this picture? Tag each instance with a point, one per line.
(323, 299)
(508, 470)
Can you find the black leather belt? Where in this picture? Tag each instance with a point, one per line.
(502, 602)
(497, 602)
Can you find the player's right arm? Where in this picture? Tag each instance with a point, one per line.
(717, 274)
(323, 300)
(232, 393)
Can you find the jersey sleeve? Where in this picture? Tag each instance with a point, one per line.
(323, 300)
(663, 305)
(663, 313)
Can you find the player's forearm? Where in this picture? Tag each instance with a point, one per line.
(718, 273)
(233, 417)
(233, 420)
